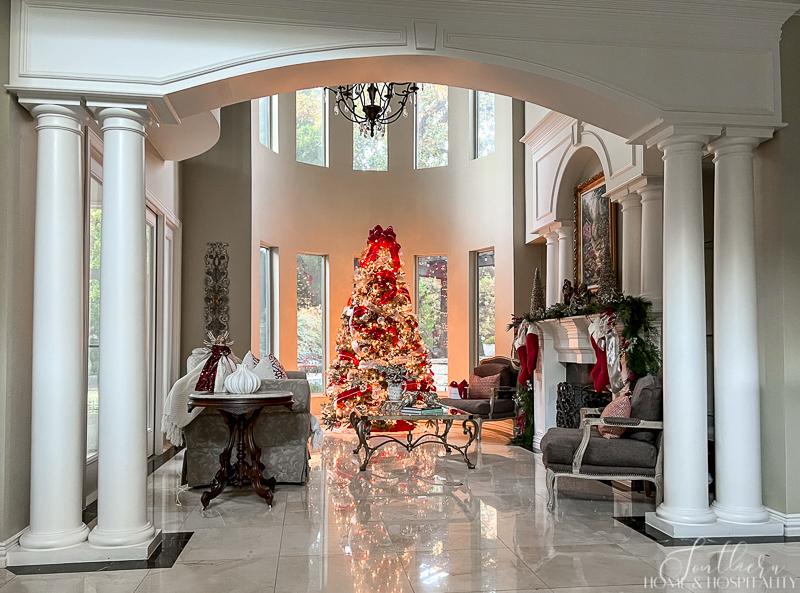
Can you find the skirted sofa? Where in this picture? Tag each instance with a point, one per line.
(281, 434)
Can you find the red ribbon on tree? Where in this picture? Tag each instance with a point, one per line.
(209, 373)
(382, 239)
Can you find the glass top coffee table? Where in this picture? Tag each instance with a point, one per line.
(369, 443)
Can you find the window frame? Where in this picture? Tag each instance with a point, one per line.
(267, 266)
(417, 166)
(417, 259)
(325, 307)
(268, 139)
(475, 123)
(325, 128)
(475, 320)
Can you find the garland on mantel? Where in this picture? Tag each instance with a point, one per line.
(640, 339)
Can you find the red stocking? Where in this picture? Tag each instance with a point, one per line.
(599, 372)
(524, 373)
(532, 346)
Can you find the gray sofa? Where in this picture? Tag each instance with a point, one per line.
(584, 453)
(281, 434)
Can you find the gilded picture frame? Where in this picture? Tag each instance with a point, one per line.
(595, 232)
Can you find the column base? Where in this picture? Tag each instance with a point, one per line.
(106, 538)
(84, 552)
(753, 515)
(48, 541)
(714, 529)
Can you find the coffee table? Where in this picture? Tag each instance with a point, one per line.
(240, 412)
(363, 423)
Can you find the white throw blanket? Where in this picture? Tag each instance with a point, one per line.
(176, 406)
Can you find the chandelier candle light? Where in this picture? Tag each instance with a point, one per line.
(369, 104)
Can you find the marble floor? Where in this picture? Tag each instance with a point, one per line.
(422, 523)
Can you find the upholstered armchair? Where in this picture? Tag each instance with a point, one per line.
(501, 404)
(584, 453)
(281, 434)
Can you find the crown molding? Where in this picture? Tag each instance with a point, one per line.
(546, 129)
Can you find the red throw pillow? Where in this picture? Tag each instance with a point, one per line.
(483, 387)
(617, 408)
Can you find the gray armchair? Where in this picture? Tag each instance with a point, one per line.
(502, 403)
(281, 434)
(584, 453)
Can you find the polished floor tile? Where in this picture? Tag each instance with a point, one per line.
(469, 570)
(238, 576)
(368, 572)
(586, 565)
(123, 581)
(419, 522)
(232, 543)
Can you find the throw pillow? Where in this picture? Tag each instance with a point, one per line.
(482, 387)
(617, 408)
(250, 361)
(277, 367)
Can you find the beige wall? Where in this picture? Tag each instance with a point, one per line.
(17, 154)
(215, 206)
(777, 221)
(452, 210)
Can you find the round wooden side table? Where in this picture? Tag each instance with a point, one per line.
(240, 412)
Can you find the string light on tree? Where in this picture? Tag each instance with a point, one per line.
(378, 329)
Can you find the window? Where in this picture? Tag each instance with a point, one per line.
(371, 153)
(483, 124)
(430, 145)
(93, 343)
(268, 122)
(267, 309)
(311, 317)
(484, 304)
(311, 128)
(432, 312)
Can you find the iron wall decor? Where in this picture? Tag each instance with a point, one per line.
(217, 285)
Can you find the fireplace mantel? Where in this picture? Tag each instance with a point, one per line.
(570, 336)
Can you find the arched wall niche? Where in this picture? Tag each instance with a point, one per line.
(579, 165)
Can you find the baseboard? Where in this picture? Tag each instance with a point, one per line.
(6, 545)
(537, 441)
(790, 521)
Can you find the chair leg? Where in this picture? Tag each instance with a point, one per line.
(659, 482)
(550, 480)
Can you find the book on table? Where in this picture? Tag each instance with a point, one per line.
(437, 411)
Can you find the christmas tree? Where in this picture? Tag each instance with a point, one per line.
(378, 335)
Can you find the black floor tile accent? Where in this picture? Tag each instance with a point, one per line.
(638, 524)
(172, 544)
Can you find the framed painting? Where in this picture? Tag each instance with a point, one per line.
(595, 236)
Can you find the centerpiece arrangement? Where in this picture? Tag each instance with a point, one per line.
(380, 353)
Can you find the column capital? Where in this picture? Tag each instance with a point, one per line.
(725, 145)
(668, 135)
(630, 200)
(122, 116)
(565, 229)
(551, 236)
(52, 113)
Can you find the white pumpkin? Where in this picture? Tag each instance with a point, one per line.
(242, 380)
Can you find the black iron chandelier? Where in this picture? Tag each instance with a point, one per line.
(370, 104)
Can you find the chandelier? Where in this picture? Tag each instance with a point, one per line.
(370, 104)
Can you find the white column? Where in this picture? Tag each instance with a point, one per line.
(736, 382)
(684, 336)
(631, 208)
(552, 287)
(652, 243)
(122, 465)
(58, 394)
(566, 255)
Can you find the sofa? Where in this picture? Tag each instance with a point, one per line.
(281, 434)
(502, 404)
(584, 453)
